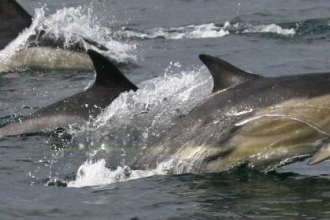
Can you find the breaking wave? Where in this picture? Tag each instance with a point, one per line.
(272, 28)
(192, 31)
(210, 30)
(213, 30)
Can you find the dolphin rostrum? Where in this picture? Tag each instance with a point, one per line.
(79, 108)
(248, 120)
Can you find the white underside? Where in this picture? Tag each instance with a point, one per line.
(47, 58)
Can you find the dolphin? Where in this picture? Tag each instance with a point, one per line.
(79, 108)
(42, 50)
(248, 120)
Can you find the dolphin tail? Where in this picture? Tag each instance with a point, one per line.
(320, 156)
(107, 74)
(224, 74)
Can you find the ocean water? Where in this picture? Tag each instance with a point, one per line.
(42, 177)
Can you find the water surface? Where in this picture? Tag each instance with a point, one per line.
(43, 178)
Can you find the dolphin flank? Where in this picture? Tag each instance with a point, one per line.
(79, 108)
(248, 120)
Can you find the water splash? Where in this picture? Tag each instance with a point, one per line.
(96, 173)
(73, 24)
(136, 120)
(271, 28)
(141, 118)
(70, 25)
(21, 41)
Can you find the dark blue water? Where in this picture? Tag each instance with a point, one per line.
(41, 177)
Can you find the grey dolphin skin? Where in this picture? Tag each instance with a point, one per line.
(248, 120)
(77, 109)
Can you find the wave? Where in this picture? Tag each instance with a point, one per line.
(272, 28)
(237, 26)
(192, 31)
(210, 30)
(313, 27)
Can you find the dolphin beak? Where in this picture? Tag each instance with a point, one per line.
(322, 155)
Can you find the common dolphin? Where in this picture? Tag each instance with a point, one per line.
(248, 120)
(79, 108)
(42, 50)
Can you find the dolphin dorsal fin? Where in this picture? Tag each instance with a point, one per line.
(224, 74)
(13, 20)
(108, 74)
(11, 10)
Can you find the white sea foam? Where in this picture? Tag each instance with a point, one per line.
(96, 173)
(210, 30)
(271, 28)
(192, 31)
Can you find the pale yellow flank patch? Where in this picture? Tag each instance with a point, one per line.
(293, 128)
(47, 58)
